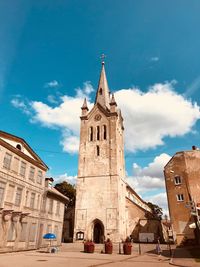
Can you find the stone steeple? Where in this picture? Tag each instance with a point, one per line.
(113, 104)
(84, 108)
(103, 94)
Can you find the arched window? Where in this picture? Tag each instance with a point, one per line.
(100, 91)
(98, 133)
(18, 146)
(91, 134)
(98, 151)
(104, 132)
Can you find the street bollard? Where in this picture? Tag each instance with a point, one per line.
(139, 249)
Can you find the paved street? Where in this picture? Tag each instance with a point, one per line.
(71, 255)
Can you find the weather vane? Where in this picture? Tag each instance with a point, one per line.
(102, 57)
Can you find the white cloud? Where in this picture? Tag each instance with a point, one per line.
(154, 169)
(151, 116)
(150, 180)
(160, 199)
(65, 177)
(150, 177)
(70, 143)
(85, 91)
(52, 84)
(52, 99)
(19, 103)
(65, 116)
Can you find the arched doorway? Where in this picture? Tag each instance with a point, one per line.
(98, 232)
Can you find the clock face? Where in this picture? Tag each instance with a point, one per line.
(97, 117)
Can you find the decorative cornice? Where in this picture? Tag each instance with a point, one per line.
(23, 215)
(6, 215)
(16, 216)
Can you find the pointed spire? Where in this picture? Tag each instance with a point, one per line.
(84, 108)
(102, 95)
(112, 101)
(113, 104)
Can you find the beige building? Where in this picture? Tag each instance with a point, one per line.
(182, 181)
(106, 206)
(29, 206)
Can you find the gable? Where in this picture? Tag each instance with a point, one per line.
(19, 146)
(98, 109)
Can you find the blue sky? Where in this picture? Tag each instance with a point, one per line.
(49, 60)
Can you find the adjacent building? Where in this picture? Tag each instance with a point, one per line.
(106, 206)
(29, 205)
(182, 178)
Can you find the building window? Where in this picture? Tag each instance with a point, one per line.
(177, 180)
(50, 206)
(11, 233)
(32, 200)
(80, 235)
(7, 161)
(58, 208)
(180, 197)
(98, 151)
(18, 146)
(98, 133)
(10, 193)
(2, 190)
(23, 233)
(91, 134)
(104, 132)
(15, 165)
(39, 177)
(32, 232)
(38, 202)
(31, 173)
(49, 228)
(43, 204)
(26, 198)
(22, 169)
(18, 196)
(100, 91)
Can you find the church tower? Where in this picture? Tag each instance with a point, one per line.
(101, 189)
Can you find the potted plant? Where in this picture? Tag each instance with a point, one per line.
(89, 246)
(108, 246)
(127, 246)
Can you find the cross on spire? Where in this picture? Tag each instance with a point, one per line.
(102, 57)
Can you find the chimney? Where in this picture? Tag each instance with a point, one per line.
(49, 182)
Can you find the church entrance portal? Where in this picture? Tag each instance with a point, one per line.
(98, 232)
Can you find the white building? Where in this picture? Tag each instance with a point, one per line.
(29, 208)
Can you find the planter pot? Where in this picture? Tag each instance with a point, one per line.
(89, 247)
(127, 247)
(108, 248)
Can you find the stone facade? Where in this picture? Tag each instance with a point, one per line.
(106, 206)
(29, 206)
(183, 186)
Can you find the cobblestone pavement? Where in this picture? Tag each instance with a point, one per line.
(71, 255)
